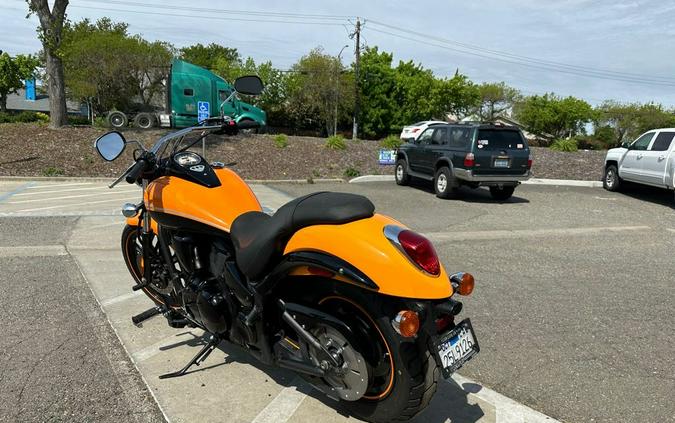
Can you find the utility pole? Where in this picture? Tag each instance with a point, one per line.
(338, 64)
(357, 92)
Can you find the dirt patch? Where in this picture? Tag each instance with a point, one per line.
(35, 150)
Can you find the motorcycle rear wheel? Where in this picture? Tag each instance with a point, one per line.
(413, 374)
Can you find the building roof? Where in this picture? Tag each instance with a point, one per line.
(41, 104)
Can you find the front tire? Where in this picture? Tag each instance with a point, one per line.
(401, 173)
(611, 180)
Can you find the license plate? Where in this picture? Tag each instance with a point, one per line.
(456, 347)
(501, 163)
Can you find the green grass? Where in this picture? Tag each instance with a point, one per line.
(281, 140)
(53, 171)
(391, 142)
(568, 145)
(351, 172)
(336, 142)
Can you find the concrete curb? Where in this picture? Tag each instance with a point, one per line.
(532, 181)
(95, 179)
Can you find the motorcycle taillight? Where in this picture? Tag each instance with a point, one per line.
(420, 250)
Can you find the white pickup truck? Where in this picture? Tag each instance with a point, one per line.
(648, 160)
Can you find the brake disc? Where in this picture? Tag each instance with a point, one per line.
(349, 381)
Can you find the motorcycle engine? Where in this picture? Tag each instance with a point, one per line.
(208, 303)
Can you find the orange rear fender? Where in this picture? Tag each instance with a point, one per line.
(362, 244)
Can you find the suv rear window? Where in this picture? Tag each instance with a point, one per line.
(495, 139)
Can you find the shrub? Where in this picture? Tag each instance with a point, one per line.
(350, 172)
(5, 118)
(53, 171)
(564, 145)
(336, 142)
(101, 122)
(23, 117)
(42, 117)
(78, 120)
(281, 140)
(391, 142)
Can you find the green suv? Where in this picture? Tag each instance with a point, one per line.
(473, 155)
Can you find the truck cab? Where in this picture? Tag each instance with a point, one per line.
(195, 93)
(649, 160)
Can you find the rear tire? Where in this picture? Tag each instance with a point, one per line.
(118, 119)
(401, 173)
(611, 180)
(501, 194)
(144, 120)
(415, 373)
(445, 184)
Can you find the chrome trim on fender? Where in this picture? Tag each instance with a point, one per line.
(391, 233)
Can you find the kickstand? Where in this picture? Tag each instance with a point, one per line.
(197, 359)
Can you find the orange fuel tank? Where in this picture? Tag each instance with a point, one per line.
(216, 207)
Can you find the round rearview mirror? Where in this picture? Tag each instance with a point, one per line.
(248, 85)
(110, 145)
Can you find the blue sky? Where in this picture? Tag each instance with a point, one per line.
(635, 37)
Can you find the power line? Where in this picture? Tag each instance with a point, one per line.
(527, 58)
(531, 65)
(226, 12)
(209, 17)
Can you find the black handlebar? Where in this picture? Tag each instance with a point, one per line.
(136, 170)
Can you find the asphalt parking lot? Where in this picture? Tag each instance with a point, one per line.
(575, 289)
(573, 310)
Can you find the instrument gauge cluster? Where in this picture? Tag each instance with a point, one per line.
(187, 159)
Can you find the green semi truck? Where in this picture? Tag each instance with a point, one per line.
(192, 95)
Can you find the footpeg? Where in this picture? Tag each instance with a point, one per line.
(140, 318)
(143, 284)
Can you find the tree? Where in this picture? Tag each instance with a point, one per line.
(392, 97)
(214, 57)
(549, 114)
(317, 83)
(129, 69)
(49, 32)
(628, 120)
(495, 99)
(13, 70)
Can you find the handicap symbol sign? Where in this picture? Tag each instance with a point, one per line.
(203, 110)
(387, 157)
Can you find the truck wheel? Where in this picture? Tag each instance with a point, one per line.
(445, 184)
(249, 130)
(117, 119)
(611, 181)
(144, 120)
(401, 174)
(501, 193)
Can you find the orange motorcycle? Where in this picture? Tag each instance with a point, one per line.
(353, 301)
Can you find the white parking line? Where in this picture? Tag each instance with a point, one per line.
(528, 233)
(154, 349)
(99, 187)
(68, 197)
(33, 251)
(283, 406)
(59, 185)
(65, 205)
(120, 298)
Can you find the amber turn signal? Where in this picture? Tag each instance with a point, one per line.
(462, 283)
(406, 323)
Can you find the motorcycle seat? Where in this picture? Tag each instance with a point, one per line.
(259, 239)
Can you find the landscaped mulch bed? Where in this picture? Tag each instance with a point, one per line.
(35, 150)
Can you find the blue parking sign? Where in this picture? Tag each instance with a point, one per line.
(203, 110)
(387, 157)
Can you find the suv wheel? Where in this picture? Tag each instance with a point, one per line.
(611, 181)
(401, 174)
(502, 193)
(445, 183)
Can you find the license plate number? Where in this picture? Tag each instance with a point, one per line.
(457, 347)
(501, 163)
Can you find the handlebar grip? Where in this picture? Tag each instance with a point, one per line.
(136, 170)
(248, 124)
